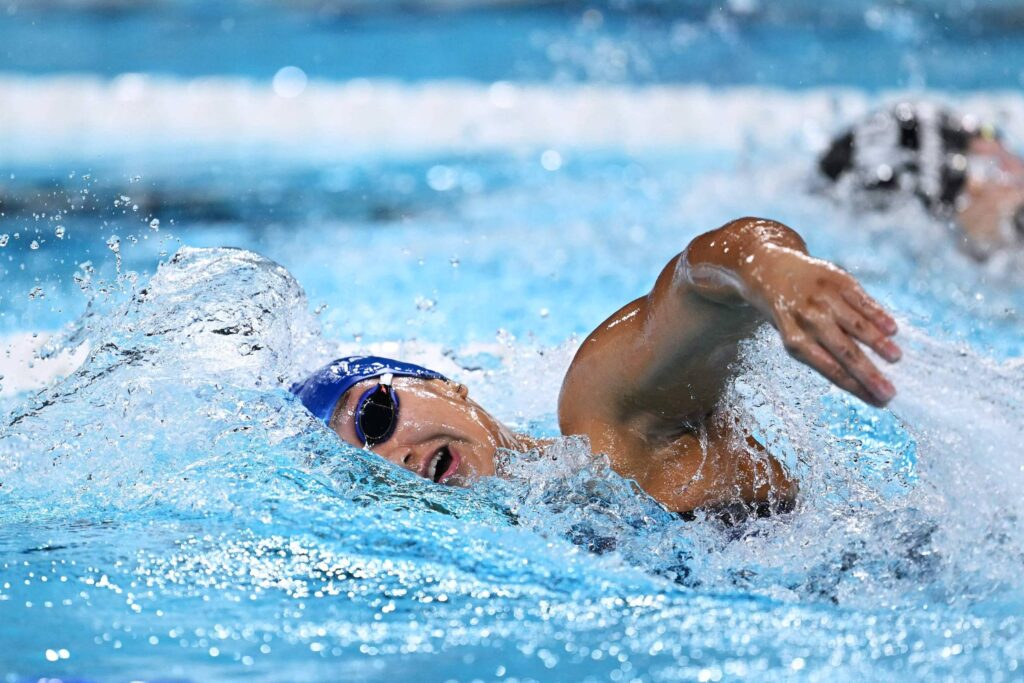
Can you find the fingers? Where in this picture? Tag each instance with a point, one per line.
(820, 341)
(856, 364)
(805, 349)
(856, 297)
(865, 331)
(814, 355)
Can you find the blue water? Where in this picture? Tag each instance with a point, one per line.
(167, 512)
(798, 44)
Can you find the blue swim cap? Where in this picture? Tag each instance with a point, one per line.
(320, 391)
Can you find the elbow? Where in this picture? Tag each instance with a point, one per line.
(755, 231)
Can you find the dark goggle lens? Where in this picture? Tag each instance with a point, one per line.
(377, 415)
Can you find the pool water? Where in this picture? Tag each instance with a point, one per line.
(170, 513)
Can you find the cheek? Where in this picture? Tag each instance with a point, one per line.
(483, 460)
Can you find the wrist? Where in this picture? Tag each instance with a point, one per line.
(734, 264)
(765, 270)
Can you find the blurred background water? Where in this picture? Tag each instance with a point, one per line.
(475, 185)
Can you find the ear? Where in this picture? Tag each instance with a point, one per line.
(461, 389)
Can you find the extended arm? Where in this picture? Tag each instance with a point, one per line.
(647, 377)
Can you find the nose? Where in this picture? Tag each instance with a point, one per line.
(403, 457)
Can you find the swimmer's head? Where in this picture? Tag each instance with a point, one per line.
(414, 417)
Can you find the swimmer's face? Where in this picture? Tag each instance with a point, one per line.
(441, 435)
(990, 162)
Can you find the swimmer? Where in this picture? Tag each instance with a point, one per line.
(645, 387)
(957, 167)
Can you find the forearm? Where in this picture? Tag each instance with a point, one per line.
(676, 345)
(727, 265)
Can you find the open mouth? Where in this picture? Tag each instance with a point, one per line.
(443, 465)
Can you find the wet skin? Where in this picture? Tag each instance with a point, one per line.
(645, 386)
(992, 194)
(443, 435)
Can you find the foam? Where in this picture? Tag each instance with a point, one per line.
(88, 117)
(23, 369)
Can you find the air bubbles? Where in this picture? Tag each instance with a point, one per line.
(4, 239)
(290, 82)
(154, 225)
(34, 245)
(36, 293)
(454, 262)
(59, 232)
(425, 304)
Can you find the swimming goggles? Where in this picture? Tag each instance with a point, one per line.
(377, 413)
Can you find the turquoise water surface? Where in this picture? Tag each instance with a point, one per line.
(476, 189)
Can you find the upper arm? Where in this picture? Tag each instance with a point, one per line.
(713, 467)
(659, 362)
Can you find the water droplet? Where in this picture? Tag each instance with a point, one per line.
(551, 160)
(4, 239)
(155, 224)
(289, 82)
(34, 245)
(114, 244)
(454, 261)
(59, 232)
(441, 178)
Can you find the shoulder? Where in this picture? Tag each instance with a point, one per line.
(591, 393)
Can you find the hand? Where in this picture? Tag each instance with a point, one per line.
(822, 313)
